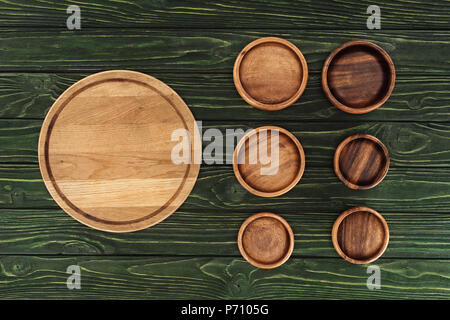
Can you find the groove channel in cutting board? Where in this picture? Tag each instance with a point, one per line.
(105, 151)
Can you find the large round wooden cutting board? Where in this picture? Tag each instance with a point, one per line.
(105, 151)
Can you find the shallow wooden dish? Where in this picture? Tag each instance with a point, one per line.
(105, 151)
(266, 240)
(360, 235)
(291, 162)
(270, 73)
(361, 161)
(358, 77)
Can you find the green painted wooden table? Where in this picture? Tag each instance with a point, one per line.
(191, 45)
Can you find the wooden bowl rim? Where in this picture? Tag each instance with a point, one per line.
(337, 155)
(327, 89)
(250, 220)
(341, 218)
(247, 97)
(257, 192)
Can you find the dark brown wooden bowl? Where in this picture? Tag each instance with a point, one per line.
(270, 73)
(266, 240)
(358, 77)
(291, 162)
(360, 235)
(361, 161)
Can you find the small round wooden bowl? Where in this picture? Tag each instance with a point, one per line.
(361, 161)
(291, 162)
(358, 77)
(360, 235)
(266, 240)
(270, 73)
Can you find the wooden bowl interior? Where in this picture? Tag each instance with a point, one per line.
(266, 241)
(361, 236)
(362, 162)
(359, 76)
(288, 169)
(271, 73)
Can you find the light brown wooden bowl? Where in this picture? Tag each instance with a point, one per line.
(290, 167)
(270, 73)
(266, 240)
(360, 235)
(361, 161)
(358, 77)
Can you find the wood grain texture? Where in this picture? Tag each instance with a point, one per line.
(219, 278)
(192, 47)
(214, 97)
(417, 235)
(270, 73)
(360, 235)
(230, 14)
(319, 191)
(202, 51)
(358, 77)
(106, 151)
(361, 161)
(281, 168)
(266, 240)
(409, 144)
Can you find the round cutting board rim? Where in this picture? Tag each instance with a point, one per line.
(178, 197)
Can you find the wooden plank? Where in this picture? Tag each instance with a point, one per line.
(18, 140)
(53, 232)
(26, 277)
(227, 14)
(214, 97)
(30, 95)
(403, 190)
(202, 51)
(409, 144)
